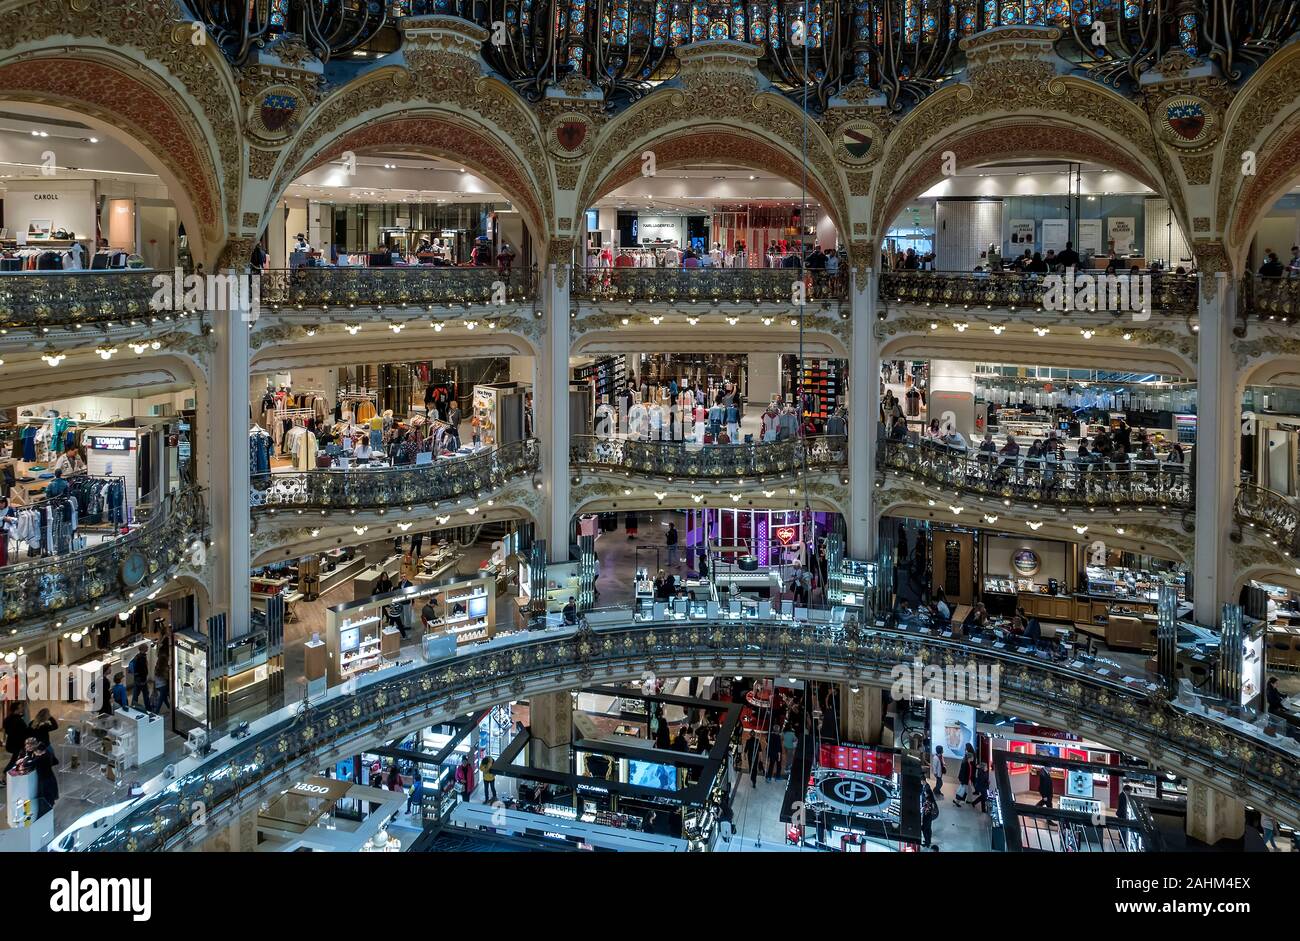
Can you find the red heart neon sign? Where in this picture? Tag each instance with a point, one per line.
(786, 534)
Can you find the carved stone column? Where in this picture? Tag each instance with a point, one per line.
(1213, 816)
(861, 715)
(864, 405)
(1216, 446)
(551, 399)
(550, 720)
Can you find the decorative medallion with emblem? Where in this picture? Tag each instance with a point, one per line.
(570, 135)
(857, 143)
(1187, 121)
(275, 112)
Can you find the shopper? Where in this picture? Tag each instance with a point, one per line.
(671, 538)
(162, 673)
(789, 741)
(43, 725)
(570, 611)
(1121, 809)
(663, 734)
(965, 776)
(774, 755)
(1044, 787)
(680, 741)
(981, 787)
(936, 769)
(416, 797)
(1273, 697)
(1268, 825)
(16, 732)
(429, 614)
(929, 814)
(394, 782)
(489, 779)
(753, 755)
(140, 677)
(119, 690)
(38, 758)
(464, 774)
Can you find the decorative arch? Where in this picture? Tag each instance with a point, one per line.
(144, 114)
(713, 143)
(718, 107)
(1006, 138)
(1279, 366)
(1264, 117)
(32, 382)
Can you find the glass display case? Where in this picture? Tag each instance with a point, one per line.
(190, 676)
(1133, 584)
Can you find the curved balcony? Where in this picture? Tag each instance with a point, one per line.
(708, 285)
(1171, 295)
(35, 591)
(401, 287)
(1050, 482)
(1269, 300)
(723, 463)
(389, 487)
(1218, 750)
(1271, 513)
(70, 300)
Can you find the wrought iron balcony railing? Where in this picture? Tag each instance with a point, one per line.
(38, 590)
(1185, 737)
(721, 462)
(1274, 515)
(1168, 293)
(1046, 481)
(69, 300)
(407, 486)
(412, 286)
(1269, 299)
(709, 285)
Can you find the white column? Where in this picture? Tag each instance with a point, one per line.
(227, 468)
(864, 407)
(1215, 452)
(552, 398)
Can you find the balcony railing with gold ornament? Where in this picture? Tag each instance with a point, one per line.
(70, 300)
(1169, 294)
(1063, 483)
(410, 287)
(377, 488)
(1085, 692)
(33, 594)
(709, 285)
(721, 462)
(1276, 517)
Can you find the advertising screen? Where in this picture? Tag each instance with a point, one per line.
(652, 774)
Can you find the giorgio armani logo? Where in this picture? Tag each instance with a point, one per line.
(92, 894)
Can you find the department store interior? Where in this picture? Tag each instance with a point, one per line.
(758, 507)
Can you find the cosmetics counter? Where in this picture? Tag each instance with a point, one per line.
(1082, 790)
(360, 636)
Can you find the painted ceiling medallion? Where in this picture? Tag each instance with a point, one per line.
(857, 143)
(275, 113)
(1187, 121)
(571, 135)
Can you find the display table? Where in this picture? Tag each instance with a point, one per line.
(149, 728)
(20, 798)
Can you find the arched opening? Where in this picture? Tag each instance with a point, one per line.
(153, 134)
(400, 182)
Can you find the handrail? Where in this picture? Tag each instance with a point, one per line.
(400, 286)
(67, 299)
(1275, 514)
(1170, 293)
(42, 587)
(1269, 299)
(1060, 483)
(680, 459)
(406, 485)
(709, 285)
(512, 665)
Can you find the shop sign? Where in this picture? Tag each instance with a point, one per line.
(1030, 730)
(786, 534)
(1022, 231)
(110, 442)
